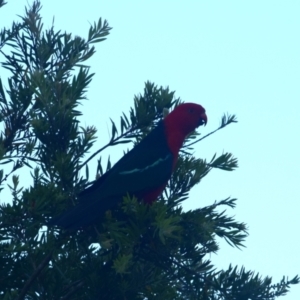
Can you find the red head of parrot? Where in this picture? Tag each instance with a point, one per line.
(183, 120)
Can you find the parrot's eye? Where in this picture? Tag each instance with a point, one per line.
(191, 110)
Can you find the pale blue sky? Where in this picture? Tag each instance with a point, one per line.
(240, 57)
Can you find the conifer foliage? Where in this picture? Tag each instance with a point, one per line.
(137, 251)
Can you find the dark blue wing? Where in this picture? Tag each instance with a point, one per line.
(146, 167)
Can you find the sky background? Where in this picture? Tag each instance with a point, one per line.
(237, 57)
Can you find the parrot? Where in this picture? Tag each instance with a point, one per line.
(142, 172)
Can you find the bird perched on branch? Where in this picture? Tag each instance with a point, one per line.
(143, 172)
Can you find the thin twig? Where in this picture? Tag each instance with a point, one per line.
(232, 119)
(21, 157)
(111, 143)
(34, 276)
(73, 290)
(17, 166)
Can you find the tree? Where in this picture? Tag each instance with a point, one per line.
(145, 252)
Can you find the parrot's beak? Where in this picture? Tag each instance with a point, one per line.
(203, 120)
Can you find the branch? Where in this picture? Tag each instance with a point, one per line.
(17, 166)
(111, 143)
(226, 120)
(34, 276)
(73, 290)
